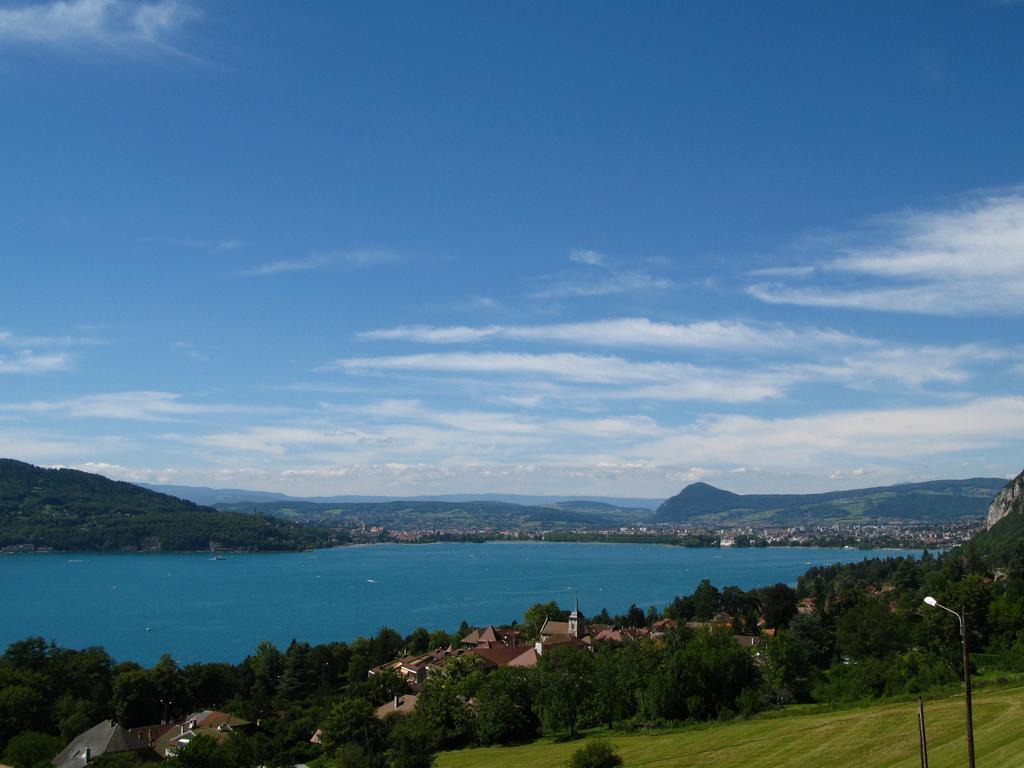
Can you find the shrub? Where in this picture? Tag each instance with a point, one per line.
(595, 754)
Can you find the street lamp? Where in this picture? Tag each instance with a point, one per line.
(962, 618)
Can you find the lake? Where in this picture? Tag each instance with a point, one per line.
(141, 605)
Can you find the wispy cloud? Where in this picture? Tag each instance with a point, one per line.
(18, 341)
(592, 258)
(136, 405)
(850, 362)
(222, 245)
(633, 332)
(408, 447)
(603, 285)
(848, 436)
(23, 357)
(651, 380)
(26, 361)
(112, 24)
(599, 275)
(913, 366)
(958, 261)
(186, 348)
(359, 258)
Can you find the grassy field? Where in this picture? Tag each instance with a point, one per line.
(873, 737)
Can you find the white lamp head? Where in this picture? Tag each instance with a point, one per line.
(931, 601)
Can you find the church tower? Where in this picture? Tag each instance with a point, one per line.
(577, 622)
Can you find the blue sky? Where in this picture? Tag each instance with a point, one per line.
(578, 248)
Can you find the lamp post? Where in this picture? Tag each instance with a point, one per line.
(962, 618)
(166, 703)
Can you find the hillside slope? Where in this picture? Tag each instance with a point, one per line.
(879, 736)
(65, 509)
(934, 501)
(1005, 524)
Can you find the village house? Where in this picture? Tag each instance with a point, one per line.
(106, 738)
(212, 724)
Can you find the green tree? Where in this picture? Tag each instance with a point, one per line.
(701, 679)
(596, 753)
(440, 639)
(504, 713)
(411, 744)
(351, 721)
(707, 601)
(360, 660)
(169, 683)
(264, 668)
(778, 605)
(635, 616)
(418, 641)
(444, 707)
(871, 629)
(810, 631)
(31, 747)
(563, 681)
(787, 671)
(299, 677)
(136, 698)
(535, 617)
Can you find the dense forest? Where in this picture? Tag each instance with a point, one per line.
(65, 509)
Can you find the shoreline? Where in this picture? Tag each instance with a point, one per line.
(366, 545)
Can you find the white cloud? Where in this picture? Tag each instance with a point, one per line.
(911, 366)
(633, 332)
(958, 261)
(358, 258)
(26, 361)
(136, 405)
(407, 447)
(845, 436)
(223, 245)
(110, 23)
(651, 380)
(186, 348)
(604, 285)
(864, 365)
(17, 341)
(130, 474)
(46, 447)
(593, 258)
(299, 265)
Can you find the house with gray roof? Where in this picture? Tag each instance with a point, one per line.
(106, 738)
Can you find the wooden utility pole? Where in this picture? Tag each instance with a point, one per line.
(921, 736)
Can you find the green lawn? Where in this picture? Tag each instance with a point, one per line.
(873, 737)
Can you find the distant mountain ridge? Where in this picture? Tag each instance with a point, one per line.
(934, 501)
(215, 496)
(465, 516)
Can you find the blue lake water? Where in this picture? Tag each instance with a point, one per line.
(199, 609)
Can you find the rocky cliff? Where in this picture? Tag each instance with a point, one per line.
(1010, 497)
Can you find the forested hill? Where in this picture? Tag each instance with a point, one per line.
(934, 501)
(448, 515)
(77, 511)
